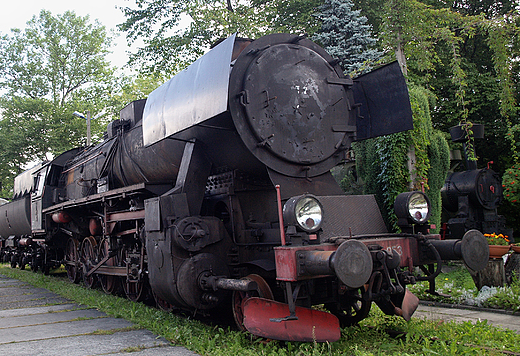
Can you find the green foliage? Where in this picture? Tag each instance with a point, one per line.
(345, 35)
(439, 154)
(176, 32)
(394, 175)
(53, 56)
(464, 52)
(382, 163)
(54, 67)
(422, 133)
(292, 16)
(168, 48)
(432, 155)
(450, 49)
(456, 286)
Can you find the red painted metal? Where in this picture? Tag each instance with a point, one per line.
(94, 227)
(286, 260)
(61, 217)
(409, 305)
(286, 257)
(311, 325)
(405, 247)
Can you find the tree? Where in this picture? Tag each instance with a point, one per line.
(169, 47)
(293, 16)
(346, 35)
(47, 71)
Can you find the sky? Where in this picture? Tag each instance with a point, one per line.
(14, 15)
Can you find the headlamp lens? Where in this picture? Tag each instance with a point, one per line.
(308, 213)
(303, 211)
(418, 208)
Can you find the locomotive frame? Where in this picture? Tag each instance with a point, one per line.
(216, 191)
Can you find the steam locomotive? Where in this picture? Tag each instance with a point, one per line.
(216, 192)
(470, 198)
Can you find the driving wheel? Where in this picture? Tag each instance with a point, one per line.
(72, 260)
(133, 284)
(239, 298)
(89, 258)
(109, 284)
(353, 308)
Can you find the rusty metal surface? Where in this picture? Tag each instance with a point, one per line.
(311, 325)
(126, 215)
(404, 246)
(287, 260)
(290, 106)
(194, 95)
(130, 190)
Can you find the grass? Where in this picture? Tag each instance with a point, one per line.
(417, 337)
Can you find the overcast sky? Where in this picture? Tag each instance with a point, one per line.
(16, 15)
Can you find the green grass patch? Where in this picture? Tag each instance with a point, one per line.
(417, 337)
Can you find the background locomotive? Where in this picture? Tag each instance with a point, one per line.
(184, 197)
(470, 198)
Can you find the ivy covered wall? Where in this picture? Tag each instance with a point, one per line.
(383, 163)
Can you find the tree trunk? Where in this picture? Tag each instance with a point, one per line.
(512, 268)
(400, 55)
(492, 276)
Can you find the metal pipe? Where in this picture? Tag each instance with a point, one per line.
(280, 213)
(448, 249)
(242, 285)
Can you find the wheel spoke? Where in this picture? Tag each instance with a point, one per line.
(109, 284)
(72, 260)
(133, 285)
(88, 253)
(352, 309)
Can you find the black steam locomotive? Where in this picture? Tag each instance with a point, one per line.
(470, 198)
(216, 192)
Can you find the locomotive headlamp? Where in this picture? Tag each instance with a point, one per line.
(413, 206)
(305, 212)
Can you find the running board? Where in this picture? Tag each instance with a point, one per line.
(273, 320)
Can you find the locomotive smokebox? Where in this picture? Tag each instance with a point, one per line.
(482, 187)
(283, 104)
(297, 119)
